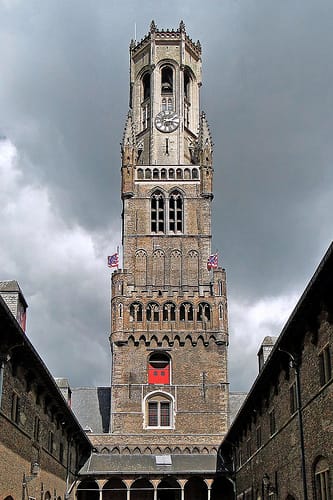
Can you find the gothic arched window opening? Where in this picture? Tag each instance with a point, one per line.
(159, 368)
(169, 311)
(186, 312)
(167, 80)
(153, 312)
(157, 212)
(136, 311)
(176, 212)
(159, 411)
(146, 86)
(203, 312)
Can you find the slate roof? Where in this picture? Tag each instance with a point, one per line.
(91, 406)
(236, 400)
(101, 464)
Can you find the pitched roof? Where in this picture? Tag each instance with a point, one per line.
(91, 406)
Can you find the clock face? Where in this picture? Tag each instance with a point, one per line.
(167, 121)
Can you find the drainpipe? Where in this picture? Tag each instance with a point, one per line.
(296, 365)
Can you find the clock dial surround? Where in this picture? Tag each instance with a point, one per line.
(167, 121)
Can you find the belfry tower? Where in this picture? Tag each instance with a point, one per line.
(169, 332)
(169, 328)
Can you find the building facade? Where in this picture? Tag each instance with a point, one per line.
(169, 322)
(280, 443)
(42, 445)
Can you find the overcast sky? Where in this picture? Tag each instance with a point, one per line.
(268, 95)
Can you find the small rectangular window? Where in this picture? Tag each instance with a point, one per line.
(325, 368)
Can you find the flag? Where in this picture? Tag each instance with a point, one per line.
(212, 262)
(113, 260)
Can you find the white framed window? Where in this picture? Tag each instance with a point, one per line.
(158, 410)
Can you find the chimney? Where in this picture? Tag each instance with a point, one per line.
(14, 298)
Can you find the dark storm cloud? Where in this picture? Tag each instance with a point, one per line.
(267, 90)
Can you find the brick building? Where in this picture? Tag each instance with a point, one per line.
(169, 323)
(42, 445)
(280, 444)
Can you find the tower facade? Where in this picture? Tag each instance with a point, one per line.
(169, 324)
(169, 328)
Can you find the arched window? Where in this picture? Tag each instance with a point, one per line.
(163, 173)
(147, 173)
(169, 311)
(155, 173)
(157, 212)
(120, 310)
(179, 173)
(159, 368)
(186, 312)
(136, 312)
(321, 473)
(195, 174)
(158, 410)
(171, 173)
(176, 212)
(187, 84)
(220, 311)
(146, 86)
(219, 287)
(203, 312)
(166, 80)
(140, 173)
(153, 312)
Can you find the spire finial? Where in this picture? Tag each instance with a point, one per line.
(182, 26)
(152, 26)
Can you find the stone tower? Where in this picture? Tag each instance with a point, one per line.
(169, 331)
(169, 328)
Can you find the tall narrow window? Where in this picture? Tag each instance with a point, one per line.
(36, 428)
(186, 312)
(146, 85)
(169, 312)
(153, 312)
(166, 80)
(176, 212)
(136, 312)
(272, 422)
(157, 212)
(15, 410)
(322, 480)
(325, 368)
(293, 398)
(203, 312)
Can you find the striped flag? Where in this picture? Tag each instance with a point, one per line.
(113, 260)
(212, 262)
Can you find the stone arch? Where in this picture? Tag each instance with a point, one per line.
(195, 450)
(157, 451)
(126, 451)
(167, 450)
(115, 451)
(47, 496)
(175, 267)
(142, 489)
(222, 488)
(195, 488)
(147, 451)
(168, 489)
(140, 267)
(86, 490)
(205, 451)
(137, 451)
(187, 451)
(193, 267)
(114, 489)
(105, 450)
(158, 266)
